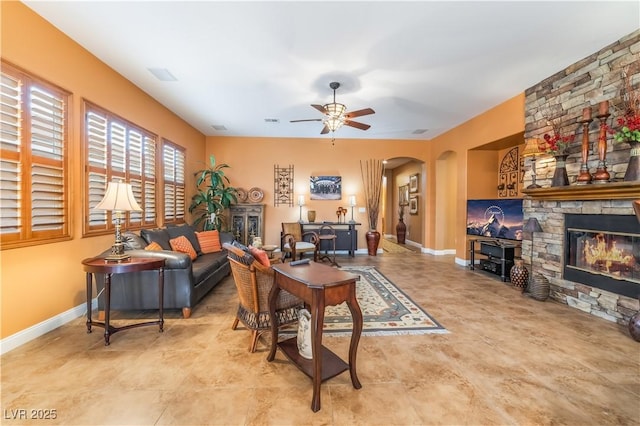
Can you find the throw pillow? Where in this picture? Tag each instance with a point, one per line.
(209, 241)
(182, 245)
(260, 255)
(187, 231)
(159, 235)
(153, 246)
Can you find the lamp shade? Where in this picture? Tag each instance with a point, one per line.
(335, 110)
(334, 123)
(119, 197)
(301, 200)
(532, 225)
(352, 200)
(531, 148)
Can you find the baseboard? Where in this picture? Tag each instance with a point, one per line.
(20, 338)
(462, 262)
(439, 252)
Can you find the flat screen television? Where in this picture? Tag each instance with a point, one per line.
(495, 218)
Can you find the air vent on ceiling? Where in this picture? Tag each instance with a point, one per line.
(219, 127)
(419, 131)
(271, 120)
(162, 74)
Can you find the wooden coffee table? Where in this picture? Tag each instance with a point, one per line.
(319, 286)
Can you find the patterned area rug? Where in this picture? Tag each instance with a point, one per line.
(386, 310)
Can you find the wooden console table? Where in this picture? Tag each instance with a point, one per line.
(319, 286)
(99, 265)
(346, 235)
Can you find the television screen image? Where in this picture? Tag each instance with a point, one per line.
(495, 218)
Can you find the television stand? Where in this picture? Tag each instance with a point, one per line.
(499, 257)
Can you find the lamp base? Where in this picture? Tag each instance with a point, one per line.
(117, 254)
(533, 186)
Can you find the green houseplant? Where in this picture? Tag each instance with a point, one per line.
(213, 196)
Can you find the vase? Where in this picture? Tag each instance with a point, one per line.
(373, 240)
(304, 334)
(519, 274)
(560, 177)
(401, 231)
(539, 287)
(633, 168)
(311, 215)
(634, 327)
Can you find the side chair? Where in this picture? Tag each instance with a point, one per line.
(254, 281)
(295, 242)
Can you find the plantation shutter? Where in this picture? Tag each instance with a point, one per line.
(118, 150)
(33, 165)
(174, 188)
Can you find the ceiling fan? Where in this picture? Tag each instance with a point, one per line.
(337, 116)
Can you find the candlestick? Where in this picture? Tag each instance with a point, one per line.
(585, 177)
(602, 175)
(603, 108)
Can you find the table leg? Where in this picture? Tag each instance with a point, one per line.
(356, 314)
(107, 307)
(317, 324)
(161, 292)
(273, 296)
(89, 293)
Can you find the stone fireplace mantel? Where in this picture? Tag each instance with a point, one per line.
(594, 191)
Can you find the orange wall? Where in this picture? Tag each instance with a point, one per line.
(40, 282)
(252, 162)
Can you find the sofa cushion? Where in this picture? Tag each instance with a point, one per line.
(159, 235)
(133, 241)
(209, 241)
(181, 244)
(187, 231)
(153, 247)
(207, 264)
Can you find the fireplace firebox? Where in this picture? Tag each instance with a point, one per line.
(603, 251)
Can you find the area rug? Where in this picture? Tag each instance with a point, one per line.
(386, 310)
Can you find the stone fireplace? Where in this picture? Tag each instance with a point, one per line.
(603, 251)
(564, 215)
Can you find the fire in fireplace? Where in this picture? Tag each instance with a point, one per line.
(603, 251)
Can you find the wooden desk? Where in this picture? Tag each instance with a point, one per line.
(319, 286)
(135, 264)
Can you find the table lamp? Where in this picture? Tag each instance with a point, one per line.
(118, 199)
(300, 203)
(532, 149)
(352, 203)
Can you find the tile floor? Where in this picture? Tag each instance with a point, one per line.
(508, 359)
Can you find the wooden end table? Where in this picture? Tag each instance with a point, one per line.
(319, 286)
(98, 265)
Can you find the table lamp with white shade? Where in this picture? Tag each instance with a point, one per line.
(118, 199)
(301, 203)
(352, 203)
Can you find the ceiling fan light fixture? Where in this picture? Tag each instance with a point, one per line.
(334, 123)
(335, 110)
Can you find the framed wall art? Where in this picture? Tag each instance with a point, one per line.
(325, 187)
(403, 195)
(413, 205)
(413, 183)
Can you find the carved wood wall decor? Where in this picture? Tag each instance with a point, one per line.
(282, 186)
(509, 176)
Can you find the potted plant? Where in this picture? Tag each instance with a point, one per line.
(213, 196)
(372, 171)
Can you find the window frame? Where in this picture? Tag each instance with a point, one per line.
(26, 159)
(176, 220)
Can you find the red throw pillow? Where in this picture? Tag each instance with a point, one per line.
(153, 246)
(260, 255)
(209, 241)
(181, 244)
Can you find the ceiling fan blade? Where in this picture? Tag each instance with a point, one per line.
(357, 125)
(319, 108)
(359, 113)
(309, 119)
(325, 130)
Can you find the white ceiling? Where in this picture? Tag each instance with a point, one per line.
(420, 65)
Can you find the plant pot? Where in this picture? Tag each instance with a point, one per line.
(373, 241)
(311, 215)
(539, 287)
(401, 231)
(519, 275)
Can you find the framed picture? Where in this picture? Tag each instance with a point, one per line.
(403, 195)
(413, 183)
(413, 205)
(325, 187)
